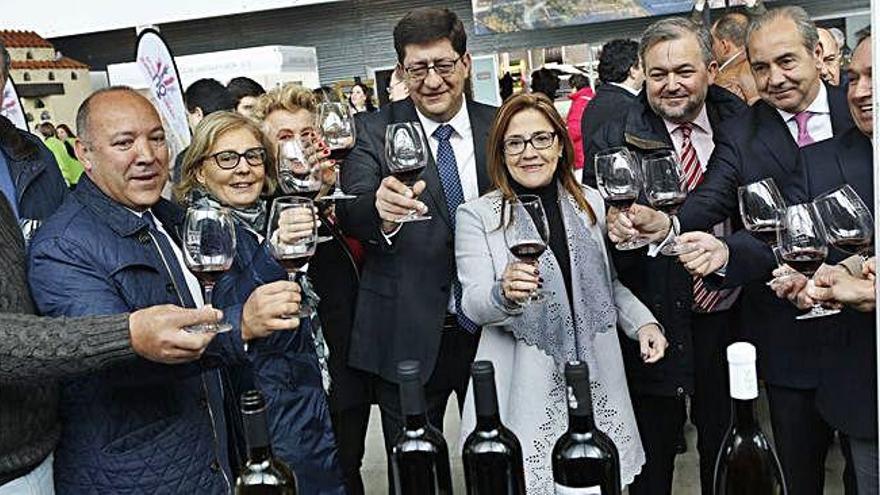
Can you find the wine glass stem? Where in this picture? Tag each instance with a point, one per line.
(337, 189)
(209, 293)
(291, 276)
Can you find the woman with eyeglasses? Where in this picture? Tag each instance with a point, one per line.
(228, 165)
(529, 157)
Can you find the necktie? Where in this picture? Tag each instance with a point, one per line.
(802, 119)
(170, 261)
(704, 299)
(447, 168)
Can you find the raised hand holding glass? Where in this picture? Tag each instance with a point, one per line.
(406, 153)
(208, 250)
(665, 189)
(619, 181)
(336, 124)
(526, 231)
(293, 235)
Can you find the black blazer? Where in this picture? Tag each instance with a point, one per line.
(847, 394)
(756, 146)
(609, 104)
(405, 286)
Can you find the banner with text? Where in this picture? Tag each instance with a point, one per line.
(154, 59)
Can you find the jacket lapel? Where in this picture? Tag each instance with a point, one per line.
(481, 122)
(773, 134)
(841, 118)
(855, 160)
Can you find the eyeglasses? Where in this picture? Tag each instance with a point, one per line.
(539, 141)
(443, 68)
(228, 159)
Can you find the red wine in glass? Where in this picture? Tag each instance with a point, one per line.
(293, 265)
(858, 245)
(668, 206)
(409, 176)
(806, 261)
(528, 251)
(339, 154)
(621, 203)
(208, 274)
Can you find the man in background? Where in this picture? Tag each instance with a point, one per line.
(245, 91)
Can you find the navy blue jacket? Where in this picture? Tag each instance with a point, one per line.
(141, 427)
(37, 178)
(285, 368)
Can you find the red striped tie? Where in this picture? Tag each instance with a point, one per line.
(704, 299)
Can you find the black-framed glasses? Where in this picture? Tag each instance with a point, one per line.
(538, 140)
(229, 159)
(443, 68)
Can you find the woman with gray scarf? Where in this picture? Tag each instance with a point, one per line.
(584, 304)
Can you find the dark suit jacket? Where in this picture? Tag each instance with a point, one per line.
(405, 286)
(756, 146)
(610, 103)
(847, 395)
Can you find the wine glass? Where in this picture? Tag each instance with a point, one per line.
(848, 221)
(619, 180)
(761, 207)
(293, 236)
(406, 153)
(295, 174)
(526, 232)
(208, 250)
(665, 189)
(804, 246)
(336, 124)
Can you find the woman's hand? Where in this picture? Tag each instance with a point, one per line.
(317, 154)
(295, 224)
(652, 342)
(518, 282)
(265, 310)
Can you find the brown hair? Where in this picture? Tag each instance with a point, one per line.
(205, 137)
(497, 167)
(426, 25)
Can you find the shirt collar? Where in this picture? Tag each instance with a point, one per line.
(460, 122)
(634, 92)
(701, 122)
(818, 106)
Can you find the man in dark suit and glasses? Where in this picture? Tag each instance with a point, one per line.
(409, 300)
(795, 111)
(621, 76)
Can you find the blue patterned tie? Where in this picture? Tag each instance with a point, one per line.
(176, 272)
(447, 167)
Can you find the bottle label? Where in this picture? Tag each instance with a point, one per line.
(743, 381)
(587, 490)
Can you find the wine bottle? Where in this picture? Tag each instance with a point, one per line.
(419, 457)
(746, 464)
(585, 460)
(262, 474)
(492, 455)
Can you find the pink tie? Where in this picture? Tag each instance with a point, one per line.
(804, 138)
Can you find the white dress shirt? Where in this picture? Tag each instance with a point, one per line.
(819, 125)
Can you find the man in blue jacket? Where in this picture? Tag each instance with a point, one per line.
(111, 248)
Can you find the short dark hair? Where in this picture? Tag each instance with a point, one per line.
(426, 25)
(46, 129)
(239, 87)
(617, 58)
(732, 27)
(545, 81)
(209, 95)
(578, 81)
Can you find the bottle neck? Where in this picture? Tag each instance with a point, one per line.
(744, 413)
(580, 407)
(486, 403)
(259, 454)
(488, 422)
(256, 432)
(412, 405)
(580, 423)
(415, 421)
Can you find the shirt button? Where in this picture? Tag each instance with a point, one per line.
(679, 391)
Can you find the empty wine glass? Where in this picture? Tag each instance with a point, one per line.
(619, 180)
(336, 124)
(406, 153)
(295, 174)
(526, 232)
(293, 236)
(665, 189)
(761, 207)
(208, 250)
(804, 246)
(848, 221)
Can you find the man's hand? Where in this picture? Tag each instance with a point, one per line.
(267, 310)
(639, 219)
(839, 287)
(790, 284)
(707, 255)
(652, 342)
(869, 269)
(394, 200)
(519, 281)
(157, 333)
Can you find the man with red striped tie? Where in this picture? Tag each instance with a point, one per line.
(680, 111)
(796, 110)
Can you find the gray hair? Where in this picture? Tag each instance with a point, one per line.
(674, 28)
(797, 15)
(83, 114)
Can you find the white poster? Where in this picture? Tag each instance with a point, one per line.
(10, 106)
(157, 65)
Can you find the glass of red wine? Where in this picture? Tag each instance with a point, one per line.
(336, 123)
(293, 236)
(619, 181)
(406, 153)
(803, 244)
(296, 175)
(208, 250)
(761, 207)
(665, 189)
(526, 232)
(848, 221)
